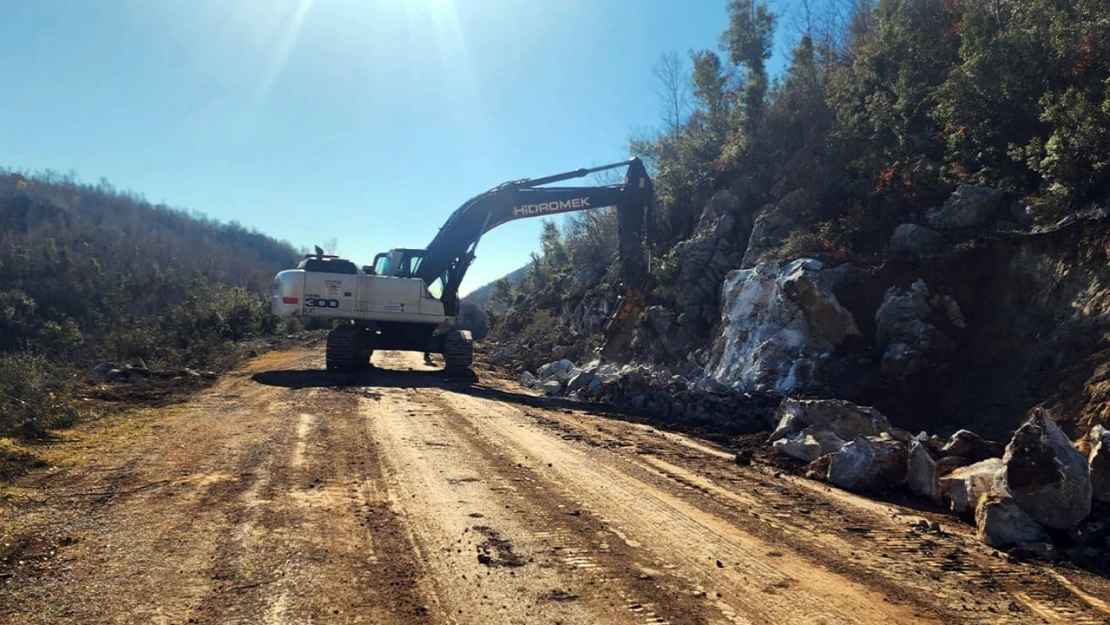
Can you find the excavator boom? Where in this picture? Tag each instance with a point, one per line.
(452, 250)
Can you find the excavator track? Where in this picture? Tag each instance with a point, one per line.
(348, 348)
(458, 350)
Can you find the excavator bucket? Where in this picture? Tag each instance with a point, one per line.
(618, 332)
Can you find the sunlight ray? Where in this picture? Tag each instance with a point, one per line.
(293, 23)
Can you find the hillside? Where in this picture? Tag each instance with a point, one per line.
(480, 296)
(911, 216)
(90, 273)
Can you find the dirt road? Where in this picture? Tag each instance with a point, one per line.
(285, 495)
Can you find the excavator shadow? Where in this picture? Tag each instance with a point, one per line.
(368, 378)
(464, 382)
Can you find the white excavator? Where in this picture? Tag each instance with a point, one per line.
(408, 298)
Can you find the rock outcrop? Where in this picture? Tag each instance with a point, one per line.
(907, 339)
(773, 225)
(1099, 461)
(913, 242)
(780, 323)
(1046, 475)
(704, 259)
(968, 206)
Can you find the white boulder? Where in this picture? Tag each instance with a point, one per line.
(964, 486)
(868, 464)
(780, 322)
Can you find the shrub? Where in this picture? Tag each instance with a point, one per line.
(34, 395)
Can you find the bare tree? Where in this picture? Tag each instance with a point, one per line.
(673, 90)
(803, 17)
(331, 246)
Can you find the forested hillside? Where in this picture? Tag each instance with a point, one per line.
(89, 273)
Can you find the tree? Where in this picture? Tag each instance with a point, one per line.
(709, 89)
(673, 90)
(502, 292)
(748, 41)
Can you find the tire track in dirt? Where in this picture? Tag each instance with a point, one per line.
(305, 546)
(266, 508)
(727, 572)
(952, 577)
(397, 498)
(495, 556)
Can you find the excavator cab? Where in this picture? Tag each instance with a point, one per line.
(399, 262)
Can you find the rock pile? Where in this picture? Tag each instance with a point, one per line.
(1021, 494)
(662, 392)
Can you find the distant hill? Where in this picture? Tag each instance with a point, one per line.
(480, 296)
(120, 276)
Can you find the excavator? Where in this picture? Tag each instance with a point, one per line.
(408, 299)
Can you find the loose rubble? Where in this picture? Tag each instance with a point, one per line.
(1016, 493)
(965, 473)
(672, 395)
(136, 370)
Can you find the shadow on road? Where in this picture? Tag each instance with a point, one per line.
(468, 384)
(371, 377)
(464, 383)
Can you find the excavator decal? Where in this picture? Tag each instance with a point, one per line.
(550, 208)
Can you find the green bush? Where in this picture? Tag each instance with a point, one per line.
(34, 395)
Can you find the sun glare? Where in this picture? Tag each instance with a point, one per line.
(294, 20)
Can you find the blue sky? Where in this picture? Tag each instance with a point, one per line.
(366, 121)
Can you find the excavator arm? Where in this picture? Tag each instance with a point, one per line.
(450, 253)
